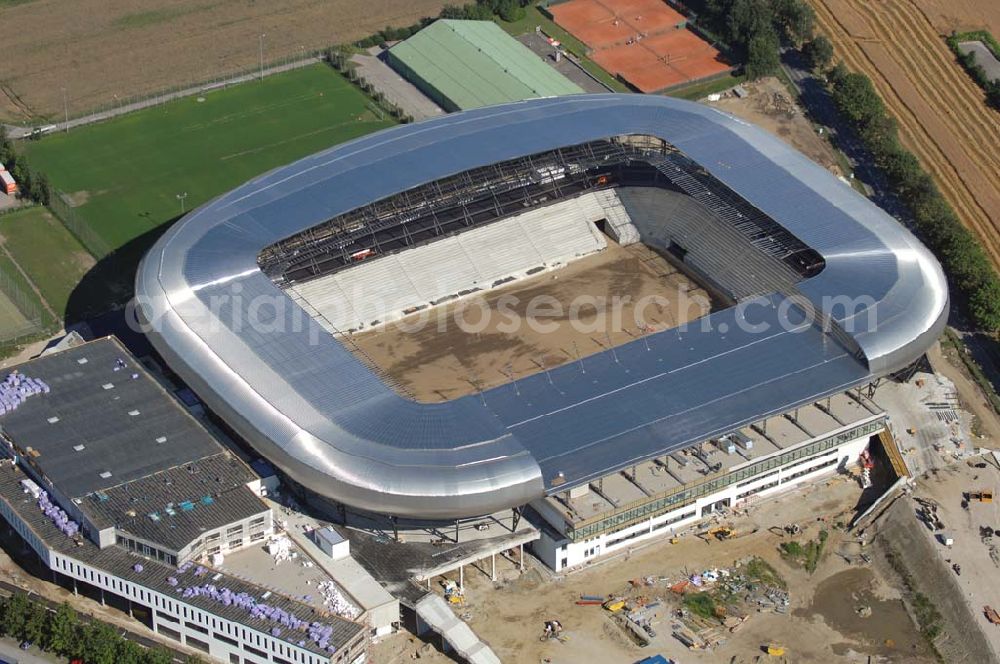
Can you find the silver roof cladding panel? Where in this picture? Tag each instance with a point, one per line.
(310, 406)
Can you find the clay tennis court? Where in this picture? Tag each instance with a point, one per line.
(643, 41)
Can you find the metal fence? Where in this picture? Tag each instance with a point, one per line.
(26, 305)
(121, 104)
(60, 206)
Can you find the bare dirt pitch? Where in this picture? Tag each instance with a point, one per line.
(100, 51)
(527, 326)
(942, 113)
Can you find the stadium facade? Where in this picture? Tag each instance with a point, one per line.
(838, 294)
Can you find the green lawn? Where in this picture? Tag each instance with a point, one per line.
(54, 260)
(702, 89)
(12, 275)
(535, 18)
(125, 174)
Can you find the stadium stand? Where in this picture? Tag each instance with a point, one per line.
(386, 288)
(320, 414)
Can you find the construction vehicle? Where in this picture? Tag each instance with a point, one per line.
(982, 496)
(614, 605)
(774, 650)
(720, 533)
(453, 593)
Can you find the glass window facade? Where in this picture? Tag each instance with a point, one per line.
(646, 508)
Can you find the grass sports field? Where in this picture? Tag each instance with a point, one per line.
(51, 257)
(124, 175)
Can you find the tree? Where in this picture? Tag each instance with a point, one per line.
(837, 74)
(880, 135)
(159, 656)
(61, 634)
(128, 652)
(99, 644)
(819, 53)
(15, 614)
(984, 305)
(762, 55)
(6, 147)
(747, 19)
(34, 626)
(41, 190)
(511, 11)
(22, 174)
(794, 19)
(857, 99)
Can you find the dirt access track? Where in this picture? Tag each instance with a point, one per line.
(100, 51)
(942, 113)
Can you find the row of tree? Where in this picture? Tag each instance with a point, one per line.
(33, 185)
(480, 10)
(968, 60)
(62, 633)
(754, 30)
(955, 246)
(339, 58)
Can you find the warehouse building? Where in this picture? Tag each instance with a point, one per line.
(468, 64)
(126, 497)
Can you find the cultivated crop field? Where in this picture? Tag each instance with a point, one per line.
(98, 50)
(942, 115)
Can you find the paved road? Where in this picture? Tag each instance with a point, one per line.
(14, 131)
(820, 106)
(396, 89)
(10, 652)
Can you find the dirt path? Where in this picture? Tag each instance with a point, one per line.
(945, 362)
(942, 114)
(768, 105)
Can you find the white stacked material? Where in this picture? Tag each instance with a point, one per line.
(386, 288)
(336, 601)
(280, 548)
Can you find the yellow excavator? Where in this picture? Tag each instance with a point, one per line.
(720, 533)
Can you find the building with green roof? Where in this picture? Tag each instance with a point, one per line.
(468, 64)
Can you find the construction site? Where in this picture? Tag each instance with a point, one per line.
(610, 297)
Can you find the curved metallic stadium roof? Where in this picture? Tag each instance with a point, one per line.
(310, 406)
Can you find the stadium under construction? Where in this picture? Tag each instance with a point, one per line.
(270, 301)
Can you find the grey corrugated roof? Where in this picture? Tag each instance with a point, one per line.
(187, 500)
(93, 400)
(317, 412)
(154, 575)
